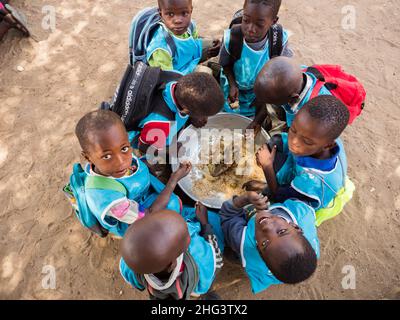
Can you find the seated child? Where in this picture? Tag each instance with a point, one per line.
(170, 257)
(176, 18)
(194, 98)
(105, 145)
(278, 244)
(282, 82)
(239, 75)
(309, 163)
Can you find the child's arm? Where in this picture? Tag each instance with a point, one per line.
(162, 59)
(207, 232)
(233, 217)
(261, 115)
(163, 198)
(233, 88)
(265, 159)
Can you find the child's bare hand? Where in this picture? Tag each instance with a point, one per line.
(214, 50)
(264, 157)
(259, 201)
(254, 185)
(184, 168)
(233, 93)
(201, 213)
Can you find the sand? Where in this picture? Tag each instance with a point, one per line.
(71, 70)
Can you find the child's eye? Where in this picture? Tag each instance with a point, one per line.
(280, 232)
(107, 157)
(185, 14)
(125, 149)
(170, 14)
(309, 143)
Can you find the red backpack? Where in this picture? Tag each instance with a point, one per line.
(342, 85)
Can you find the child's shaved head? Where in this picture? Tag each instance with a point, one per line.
(153, 243)
(330, 113)
(279, 82)
(93, 122)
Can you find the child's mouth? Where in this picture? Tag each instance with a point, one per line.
(121, 172)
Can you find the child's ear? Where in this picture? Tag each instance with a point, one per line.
(276, 19)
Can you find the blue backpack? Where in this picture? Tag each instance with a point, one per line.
(143, 26)
(75, 191)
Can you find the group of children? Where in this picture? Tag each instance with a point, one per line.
(175, 251)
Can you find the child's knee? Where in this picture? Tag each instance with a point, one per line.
(175, 204)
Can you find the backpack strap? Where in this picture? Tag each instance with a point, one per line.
(236, 42)
(275, 38)
(170, 41)
(160, 106)
(104, 183)
(320, 81)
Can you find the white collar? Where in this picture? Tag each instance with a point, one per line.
(157, 284)
(307, 87)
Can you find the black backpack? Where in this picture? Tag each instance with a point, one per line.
(140, 93)
(275, 38)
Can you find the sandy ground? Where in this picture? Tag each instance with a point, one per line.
(69, 71)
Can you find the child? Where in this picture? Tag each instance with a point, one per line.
(105, 145)
(283, 83)
(193, 97)
(238, 76)
(278, 244)
(308, 163)
(176, 18)
(170, 257)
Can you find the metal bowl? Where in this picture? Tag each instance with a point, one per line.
(192, 149)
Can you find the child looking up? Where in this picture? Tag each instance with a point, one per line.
(278, 244)
(177, 21)
(105, 145)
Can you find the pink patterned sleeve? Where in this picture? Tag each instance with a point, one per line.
(126, 211)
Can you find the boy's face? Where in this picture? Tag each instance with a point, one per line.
(110, 152)
(257, 19)
(276, 237)
(176, 15)
(307, 137)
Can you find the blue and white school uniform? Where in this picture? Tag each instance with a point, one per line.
(292, 109)
(257, 271)
(141, 187)
(246, 70)
(317, 179)
(188, 51)
(202, 252)
(169, 128)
